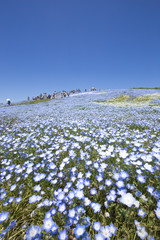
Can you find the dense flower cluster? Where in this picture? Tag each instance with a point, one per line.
(74, 169)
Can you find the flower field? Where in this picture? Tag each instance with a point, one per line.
(71, 169)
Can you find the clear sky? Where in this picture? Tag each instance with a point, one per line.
(48, 45)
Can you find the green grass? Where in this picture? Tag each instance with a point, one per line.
(125, 100)
(33, 102)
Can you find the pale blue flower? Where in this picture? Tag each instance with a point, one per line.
(4, 216)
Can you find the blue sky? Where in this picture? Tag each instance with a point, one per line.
(48, 45)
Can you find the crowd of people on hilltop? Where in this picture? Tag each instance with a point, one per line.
(55, 95)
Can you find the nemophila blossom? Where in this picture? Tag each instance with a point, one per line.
(149, 167)
(139, 171)
(71, 194)
(141, 179)
(47, 214)
(99, 236)
(88, 174)
(53, 211)
(124, 174)
(80, 185)
(3, 195)
(86, 201)
(54, 229)
(18, 199)
(106, 232)
(79, 230)
(141, 213)
(150, 189)
(96, 207)
(62, 207)
(4, 216)
(111, 197)
(34, 198)
(61, 196)
(71, 213)
(93, 191)
(108, 182)
(141, 232)
(99, 178)
(120, 184)
(33, 232)
(157, 212)
(96, 226)
(116, 176)
(10, 200)
(87, 182)
(96, 165)
(123, 154)
(79, 194)
(113, 229)
(37, 188)
(48, 223)
(13, 187)
(63, 235)
(121, 191)
(127, 199)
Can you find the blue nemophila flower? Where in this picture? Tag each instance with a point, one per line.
(71, 194)
(122, 191)
(127, 199)
(37, 188)
(79, 185)
(47, 214)
(116, 176)
(79, 230)
(61, 196)
(120, 184)
(93, 191)
(113, 229)
(99, 236)
(54, 228)
(106, 232)
(150, 189)
(141, 179)
(86, 221)
(10, 200)
(4, 216)
(3, 195)
(157, 212)
(124, 174)
(33, 232)
(71, 213)
(96, 207)
(13, 187)
(79, 194)
(34, 198)
(63, 235)
(97, 226)
(53, 211)
(62, 207)
(48, 223)
(108, 182)
(88, 174)
(87, 201)
(99, 178)
(80, 210)
(18, 199)
(141, 232)
(141, 213)
(112, 196)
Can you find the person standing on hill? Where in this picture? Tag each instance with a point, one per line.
(8, 102)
